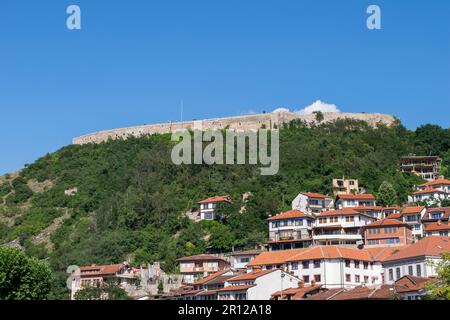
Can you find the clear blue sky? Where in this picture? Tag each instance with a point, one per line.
(134, 61)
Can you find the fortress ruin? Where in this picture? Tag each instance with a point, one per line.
(238, 123)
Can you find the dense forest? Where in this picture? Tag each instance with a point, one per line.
(130, 199)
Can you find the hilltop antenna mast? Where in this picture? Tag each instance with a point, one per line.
(182, 106)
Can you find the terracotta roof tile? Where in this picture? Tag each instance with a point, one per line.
(435, 183)
(426, 191)
(200, 257)
(386, 222)
(412, 210)
(210, 277)
(216, 199)
(437, 227)
(251, 275)
(235, 288)
(429, 246)
(101, 270)
(290, 215)
(315, 195)
(356, 196)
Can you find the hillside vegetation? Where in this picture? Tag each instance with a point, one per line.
(130, 198)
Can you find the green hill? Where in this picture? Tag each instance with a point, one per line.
(130, 198)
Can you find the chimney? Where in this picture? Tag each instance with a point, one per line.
(301, 284)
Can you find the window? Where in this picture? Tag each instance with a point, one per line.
(366, 265)
(349, 218)
(397, 272)
(443, 233)
(436, 216)
(317, 277)
(419, 270)
(306, 279)
(391, 274)
(316, 263)
(410, 270)
(334, 219)
(348, 278)
(294, 265)
(366, 279)
(322, 220)
(356, 265)
(305, 264)
(245, 259)
(357, 278)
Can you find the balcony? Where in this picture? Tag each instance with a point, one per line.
(337, 236)
(289, 237)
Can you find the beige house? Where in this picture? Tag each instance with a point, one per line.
(195, 267)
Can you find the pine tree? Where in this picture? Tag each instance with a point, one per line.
(387, 196)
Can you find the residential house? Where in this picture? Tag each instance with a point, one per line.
(387, 232)
(328, 266)
(439, 184)
(375, 212)
(429, 196)
(289, 230)
(239, 259)
(208, 206)
(437, 229)
(355, 200)
(345, 186)
(340, 227)
(426, 167)
(418, 259)
(195, 267)
(96, 276)
(435, 215)
(413, 216)
(257, 285)
(312, 203)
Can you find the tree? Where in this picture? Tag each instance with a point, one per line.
(23, 277)
(102, 291)
(319, 116)
(440, 288)
(387, 196)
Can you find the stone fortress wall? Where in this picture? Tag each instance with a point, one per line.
(237, 123)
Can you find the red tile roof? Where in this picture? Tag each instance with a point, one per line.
(290, 215)
(356, 196)
(396, 215)
(429, 246)
(216, 199)
(426, 191)
(437, 226)
(315, 195)
(101, 270)
(386, 222)
(325, 295)
(435, 183)
(412, 210)
(383, 292)
(445, 216)
(411, 283)
(296, 293)
(251, 275)
(210, 277)
(343, 212)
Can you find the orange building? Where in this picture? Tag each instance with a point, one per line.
(388, 232)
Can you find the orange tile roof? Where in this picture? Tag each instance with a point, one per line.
(396, 215)
(411, 283)
(290, 215)
(445, 211)
(322, 252)
(343, 212)
(325, 295)
(297, 293)
(435, 183)
(382, 292)
(412, 210)
(251, 275)
(315, 195)
(101, 270)
(385, 222)
(429, 246)
(216, 199)
(428, 191)
(210, 277)
(235, 288)
(273, 257)
(356, 196)
(437, 227)
(369, 208)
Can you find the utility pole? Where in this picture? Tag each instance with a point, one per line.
(281, 291)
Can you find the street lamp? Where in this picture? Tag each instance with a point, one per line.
(281, 292)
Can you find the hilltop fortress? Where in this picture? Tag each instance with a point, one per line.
(238, 123)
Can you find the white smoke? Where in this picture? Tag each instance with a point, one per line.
(315, 107)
